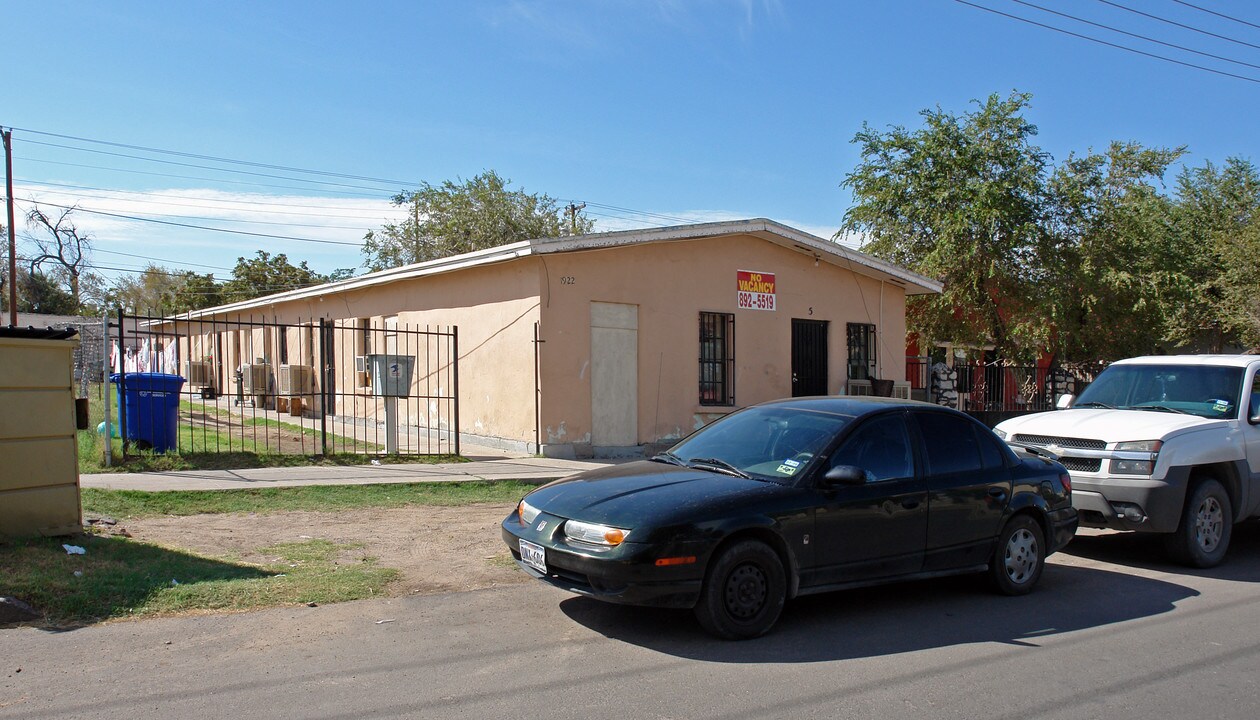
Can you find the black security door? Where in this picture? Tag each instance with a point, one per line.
(809, 357)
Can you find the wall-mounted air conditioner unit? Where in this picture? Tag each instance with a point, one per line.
(859, 387)
(199, 373)
(295, 379)
(255, 377)
(901, 389)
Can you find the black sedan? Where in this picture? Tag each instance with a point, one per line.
(796, 497)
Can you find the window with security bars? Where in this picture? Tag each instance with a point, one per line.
(861, 339)
(717, 358)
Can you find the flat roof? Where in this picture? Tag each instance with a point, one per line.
(778, 233)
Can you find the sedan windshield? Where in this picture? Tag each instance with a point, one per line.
(768, 443)
(1202, 390)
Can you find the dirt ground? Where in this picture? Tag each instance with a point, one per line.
(437, 549)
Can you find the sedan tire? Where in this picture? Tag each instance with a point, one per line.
(1019, 558)
(743, 592)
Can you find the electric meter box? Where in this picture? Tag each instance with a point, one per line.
(391, 374)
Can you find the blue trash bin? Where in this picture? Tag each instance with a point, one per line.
(151, 406)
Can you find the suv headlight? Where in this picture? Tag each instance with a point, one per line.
(1136, 466)
(595, 534)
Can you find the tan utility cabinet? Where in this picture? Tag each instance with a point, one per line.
(39, 472)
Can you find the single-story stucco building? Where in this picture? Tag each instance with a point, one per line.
(605, 343)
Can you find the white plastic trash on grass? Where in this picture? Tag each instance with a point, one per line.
(74, 550)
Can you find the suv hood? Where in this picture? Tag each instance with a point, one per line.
(1110, 426)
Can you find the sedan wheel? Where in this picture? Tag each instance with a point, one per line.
(743, 592)
(1019, 558)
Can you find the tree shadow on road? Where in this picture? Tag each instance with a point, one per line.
(900, 618)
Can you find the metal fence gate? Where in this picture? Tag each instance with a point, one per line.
(316, 387)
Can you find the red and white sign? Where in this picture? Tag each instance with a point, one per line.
(756, 290)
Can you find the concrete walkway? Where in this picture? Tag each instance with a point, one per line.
(529, 469)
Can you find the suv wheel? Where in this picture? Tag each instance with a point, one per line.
(1207, 522)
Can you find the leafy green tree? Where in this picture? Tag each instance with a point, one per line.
(265, 274)
(1216, 208)
(37, 293)
(454, 218)
(1109, 269)
(961, 200)
(153, 290)
(1241, 255)
(196, 291)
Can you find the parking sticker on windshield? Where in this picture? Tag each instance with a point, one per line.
(789, 467)
(1221, 406)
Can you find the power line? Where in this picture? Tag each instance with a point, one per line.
(1134, 35)
(203, 227)
(1213, 12)
(45, 183)
(203, 167)
(213, 158)
(1177, 24)
(173, 262)
(194, 177)
(1108, 44)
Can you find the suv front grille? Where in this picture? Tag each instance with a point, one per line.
(1081, 464)
(1065, 442)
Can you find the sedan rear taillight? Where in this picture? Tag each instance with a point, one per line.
(1067, 482)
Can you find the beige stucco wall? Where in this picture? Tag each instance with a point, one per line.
(494, 308)
(671, 283)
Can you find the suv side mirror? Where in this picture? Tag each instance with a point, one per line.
(845, 475)
(1064, 402)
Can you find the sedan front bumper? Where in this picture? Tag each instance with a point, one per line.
(626, 574)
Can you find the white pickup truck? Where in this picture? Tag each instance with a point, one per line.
(1164, 444)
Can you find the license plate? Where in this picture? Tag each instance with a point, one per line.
(534, 556)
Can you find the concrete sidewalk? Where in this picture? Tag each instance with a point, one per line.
(530, 469)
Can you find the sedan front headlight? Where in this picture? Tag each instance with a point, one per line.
(527, 513)
(595, 534)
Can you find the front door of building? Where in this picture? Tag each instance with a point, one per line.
(614, 375)
(809, 357)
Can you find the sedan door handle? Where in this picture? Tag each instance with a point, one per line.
(909, 504)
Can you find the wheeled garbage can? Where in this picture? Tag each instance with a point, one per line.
(150, 404)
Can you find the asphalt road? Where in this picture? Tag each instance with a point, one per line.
(1112, 632)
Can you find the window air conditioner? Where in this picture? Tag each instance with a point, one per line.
(295, 379)
(255, 377)
(199, 373)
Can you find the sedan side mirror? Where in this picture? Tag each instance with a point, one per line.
(845, 475)
(1064, 402)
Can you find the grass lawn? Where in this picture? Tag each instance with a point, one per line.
(134, 503)
(246, 445)
(119, 578)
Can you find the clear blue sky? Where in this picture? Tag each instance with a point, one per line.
(697, 109)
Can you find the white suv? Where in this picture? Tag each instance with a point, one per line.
(1164, 444)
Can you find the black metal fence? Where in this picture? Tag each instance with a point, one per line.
(314, 387)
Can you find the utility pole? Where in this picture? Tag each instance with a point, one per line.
(572, 209)
(8, 186)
